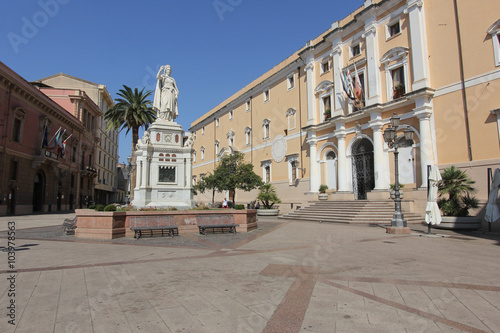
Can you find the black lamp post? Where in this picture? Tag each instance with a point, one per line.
(130, 169)
(393, 141)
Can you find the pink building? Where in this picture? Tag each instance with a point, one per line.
(46, 161)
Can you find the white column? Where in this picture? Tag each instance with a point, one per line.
(426, 144)
(339, 99)
(148, 171)
(311, 109)
(314, 168)
(340, 134)
(374, 95)
(418, 38)
(381, 168)
(189, 172)
(144, 176)
(138, 173)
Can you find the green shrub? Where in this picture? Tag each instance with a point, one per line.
(99, 208)
(110, 208)
(172, 208)
(239, 207)
(323, 188)
(92, 207)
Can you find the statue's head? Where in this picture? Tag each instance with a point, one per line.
(168, 69)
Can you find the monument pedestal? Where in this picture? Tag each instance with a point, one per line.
(163, 168)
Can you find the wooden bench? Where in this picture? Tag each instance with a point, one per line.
(69, 226)
(214, 222)
(151, 223)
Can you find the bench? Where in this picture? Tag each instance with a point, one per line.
(214, 222)
(69, 226)
(151, 223)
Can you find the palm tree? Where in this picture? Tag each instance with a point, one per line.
(132, 111)
(456, 193)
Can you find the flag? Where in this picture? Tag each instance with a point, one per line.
(358, 91)
(45, 141)
(345, 85)
(58, 143)
(56, 134)
(63, 151)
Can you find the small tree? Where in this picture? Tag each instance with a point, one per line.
(268, 196)
(233, 173)
(209, 182)
(456, 193)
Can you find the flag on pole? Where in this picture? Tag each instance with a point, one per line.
(45, 140)
(358, 91)
(346, 84)
(63, 151)
(56, 134)
(58, 143)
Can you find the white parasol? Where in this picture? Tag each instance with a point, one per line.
(492, 210)
(432, 212)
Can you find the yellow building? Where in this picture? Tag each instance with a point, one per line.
(435, 63)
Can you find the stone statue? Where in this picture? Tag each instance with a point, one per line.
(189, 141)
(166, 93)
(145, 138)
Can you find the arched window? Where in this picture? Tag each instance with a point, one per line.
(266, 127)
(395, 62)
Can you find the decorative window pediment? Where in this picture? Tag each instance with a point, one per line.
(394, 54)
(324, 87)
(494, 31)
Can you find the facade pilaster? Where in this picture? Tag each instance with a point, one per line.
(189, 172)
(424, 114)
(311, 109)
(314, 168)
(372, 63)
(337, 65)
(418, 38)
(138, 177)
(340, 134)
(381, 167)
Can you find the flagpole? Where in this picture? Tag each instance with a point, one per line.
(55, 135)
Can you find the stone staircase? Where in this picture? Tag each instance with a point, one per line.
(358, 211)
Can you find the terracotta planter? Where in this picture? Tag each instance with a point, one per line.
(459, 223)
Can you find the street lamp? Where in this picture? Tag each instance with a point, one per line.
(130, 169)
(398, 223)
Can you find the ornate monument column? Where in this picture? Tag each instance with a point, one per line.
(163, 155)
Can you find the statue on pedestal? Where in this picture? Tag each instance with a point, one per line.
(166, 93)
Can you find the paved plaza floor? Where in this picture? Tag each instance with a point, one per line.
(287, 276)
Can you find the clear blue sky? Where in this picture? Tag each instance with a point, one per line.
(215, 47)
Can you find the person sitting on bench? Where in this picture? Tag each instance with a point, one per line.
(224, 203)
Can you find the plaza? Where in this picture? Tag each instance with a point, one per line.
(283, 277)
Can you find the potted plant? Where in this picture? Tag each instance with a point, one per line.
(268, 197)
(399, 90)
(393, 191)
(322, 192)
(456, 198)
(327, 113)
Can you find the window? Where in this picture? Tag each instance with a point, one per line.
(194, 181)
(203, 130)
(231, 115)
(267, 95)
(266, 171)
(194, 156)
(290, 115)
(248, 136)
(17, 125)
(396, 72)
(290, 82)
(293, 165)
(202, 176)
(217, 146)
(202, 153)
(359, 91)
(327, 106)
(248, 105)
(73, 155)
(230, 138)
(325, 66)
(494, 31)
(217, 122)
(393, 29)
(355, 50)
(266, 127)
(398, 82)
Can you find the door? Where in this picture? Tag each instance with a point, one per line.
(362, 169)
